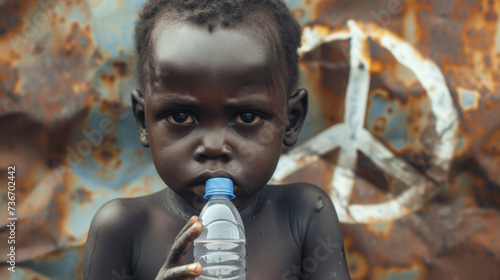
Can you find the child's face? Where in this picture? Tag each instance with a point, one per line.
(213, 110)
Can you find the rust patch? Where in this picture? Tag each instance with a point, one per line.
(112, 106)
(326, 61)
(357, 263)
(298, 14)
(11, 14)
(136, 154)
(49, 226)
(308, 174)
(108, 79)
(106, 151)
(79, 39)
(9, 88)
(380, 124)
(82, 196)
(120, 68)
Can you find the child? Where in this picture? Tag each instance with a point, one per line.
(217, 98)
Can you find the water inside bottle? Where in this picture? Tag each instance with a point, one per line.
(221, 259)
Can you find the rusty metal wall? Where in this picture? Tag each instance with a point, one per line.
(403, 130)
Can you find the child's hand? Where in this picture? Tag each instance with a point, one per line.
(173, 268)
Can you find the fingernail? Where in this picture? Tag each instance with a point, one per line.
(193, 226)
(190, 222)
(194, 267)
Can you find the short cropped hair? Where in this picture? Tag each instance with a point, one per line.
(227, 13)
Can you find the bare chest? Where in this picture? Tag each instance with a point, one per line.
(271, 250)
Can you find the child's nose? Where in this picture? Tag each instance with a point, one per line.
(213, 145)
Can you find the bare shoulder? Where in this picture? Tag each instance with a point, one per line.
(305, 203)
(309, 209)
(117, 214)
(112, 238)
(299, 194)
(125, 213)
(119, 219)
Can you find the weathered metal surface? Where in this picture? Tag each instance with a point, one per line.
(403, 130)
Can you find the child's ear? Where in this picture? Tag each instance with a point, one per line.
(297, 111)
(138, 107)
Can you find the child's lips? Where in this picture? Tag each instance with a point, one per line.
(199, 190)
(198, 184)
(200, 180)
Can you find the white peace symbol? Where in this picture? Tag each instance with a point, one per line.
(351, 136)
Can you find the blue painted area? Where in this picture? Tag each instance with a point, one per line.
(115, 21)
(104, 89)
(410, 274)
(301, 4)
(396, 129)
(468, 98)
(398, 132)
(105, 68)
(75, 14)
(57, 268)
(292, 4)
(79, 220)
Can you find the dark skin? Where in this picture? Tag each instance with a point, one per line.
(214, 109)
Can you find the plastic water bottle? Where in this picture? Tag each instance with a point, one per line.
(220, 248)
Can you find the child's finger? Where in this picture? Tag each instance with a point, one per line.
(181, 245)
(191, 221)
(183, 272)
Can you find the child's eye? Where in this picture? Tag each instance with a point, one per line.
(248, 118)
(180, 118)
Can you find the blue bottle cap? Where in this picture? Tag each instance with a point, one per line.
(223, 186)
